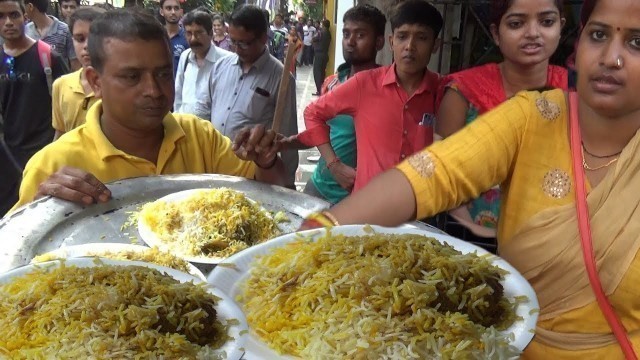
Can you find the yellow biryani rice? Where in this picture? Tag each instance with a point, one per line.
(215, 223)
(378, 297)
(151, 255)
(115, 312)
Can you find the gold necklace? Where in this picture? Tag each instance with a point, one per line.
(587, 167)
(599, 156)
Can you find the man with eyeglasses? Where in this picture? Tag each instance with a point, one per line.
(25, 102)
(194, 68)
(244, 86)
(171, 11)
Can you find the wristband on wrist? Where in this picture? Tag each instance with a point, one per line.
(333, 162)
(273, 163)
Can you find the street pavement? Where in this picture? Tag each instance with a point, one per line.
(305, 86)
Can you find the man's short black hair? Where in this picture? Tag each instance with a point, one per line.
(266, 14)
(204, 9)
(41, 5)
(367, 14)
(163, 1)
(417, 12)
(64, 1)
(19, 2)
(199, 18)
(124, 25)
(85, 13)
(104, 5)
(251, 18)
(279, 15)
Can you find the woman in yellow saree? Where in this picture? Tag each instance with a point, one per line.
(524, 145)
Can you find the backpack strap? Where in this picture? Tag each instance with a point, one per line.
(44, 53)
(186, 62)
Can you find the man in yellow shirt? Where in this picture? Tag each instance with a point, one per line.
(72, 95)
(131, 132)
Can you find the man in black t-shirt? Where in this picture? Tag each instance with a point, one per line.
(25, 102)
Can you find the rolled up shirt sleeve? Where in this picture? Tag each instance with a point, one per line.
(344, 99)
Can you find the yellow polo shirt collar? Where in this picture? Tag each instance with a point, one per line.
(173, 133)
(76, 85)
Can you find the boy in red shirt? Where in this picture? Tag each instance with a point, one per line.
(393, 106)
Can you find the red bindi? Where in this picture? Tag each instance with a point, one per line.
(618, 29)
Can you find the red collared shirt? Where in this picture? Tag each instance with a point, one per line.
(389, 124)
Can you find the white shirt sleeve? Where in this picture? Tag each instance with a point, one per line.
(177, 102)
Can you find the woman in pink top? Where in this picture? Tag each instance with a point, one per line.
(527, 33)
(220, 36)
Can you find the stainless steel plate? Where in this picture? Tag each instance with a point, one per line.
(48, 223)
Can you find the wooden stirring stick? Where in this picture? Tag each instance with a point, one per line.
(284, 87)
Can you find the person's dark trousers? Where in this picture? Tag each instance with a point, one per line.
(9, 182)
(9, 186)
(307, 55)
(319, 69)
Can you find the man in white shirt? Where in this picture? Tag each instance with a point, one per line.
(280, 34)
(279, 25)
(307, 52)
(194, 68)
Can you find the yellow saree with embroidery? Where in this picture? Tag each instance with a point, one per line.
(523, 145)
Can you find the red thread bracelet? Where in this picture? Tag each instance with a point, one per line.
(333, 162)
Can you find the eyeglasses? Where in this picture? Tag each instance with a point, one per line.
(196, 34)
(10, 61)
(242, 45)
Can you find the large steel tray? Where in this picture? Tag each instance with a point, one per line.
(48, 223)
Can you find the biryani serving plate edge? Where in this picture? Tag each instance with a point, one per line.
(89, 250)
(150, 238)
(48, 223)
(229, 279)
(225, 308)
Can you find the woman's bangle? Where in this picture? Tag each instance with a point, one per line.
(331, 163)
(331, 217)
(323, 218)
(273, 163)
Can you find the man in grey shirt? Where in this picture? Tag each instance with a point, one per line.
(244, 87)
(50, 30)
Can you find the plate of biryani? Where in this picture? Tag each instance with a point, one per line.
(120, 251)
(368, 292)
(100, 308)
(205, 225)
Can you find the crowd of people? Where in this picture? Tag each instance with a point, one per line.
(501, 153)
(225, 69)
